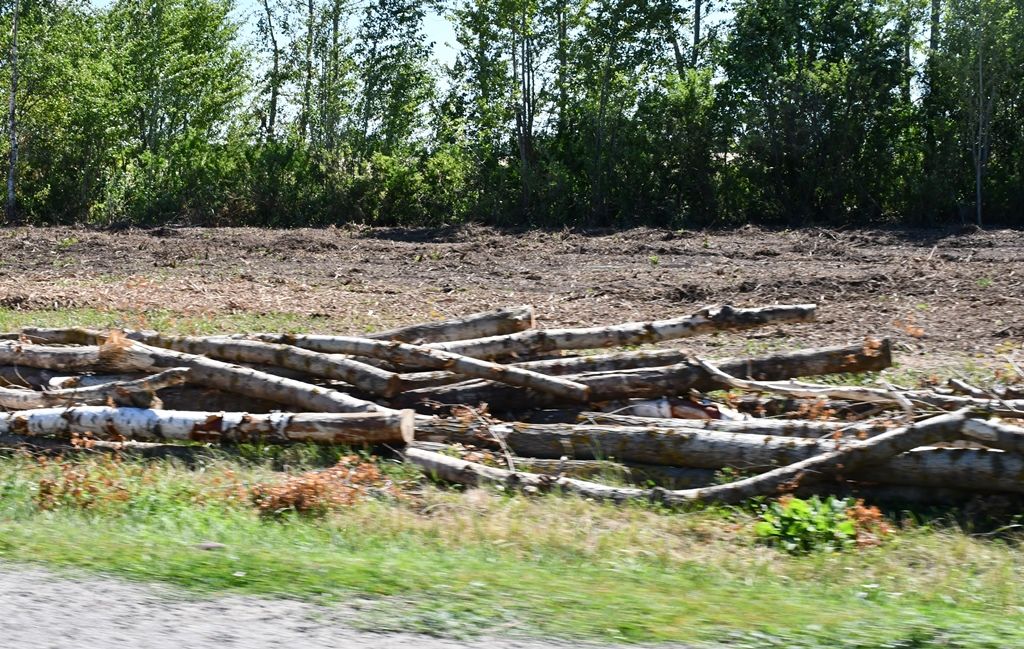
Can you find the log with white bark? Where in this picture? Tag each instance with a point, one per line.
(367, 378)
(964, 470)
(648, 383)
(564, 366)
(477, 325)
(405, 354)
(263, 355)
(845, 458)
(47, 357)
(678, 446)
(221, 427)
(138, 392)
(723, 318)
(538, 341)
(777, 427)
(134, 356)
(274, 349)
(906, 399)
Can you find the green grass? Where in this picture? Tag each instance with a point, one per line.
(162, 320)
(460, 563)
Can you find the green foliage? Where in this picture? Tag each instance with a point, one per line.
(552, 112)
(800, 526)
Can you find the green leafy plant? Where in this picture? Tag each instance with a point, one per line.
(802, 526)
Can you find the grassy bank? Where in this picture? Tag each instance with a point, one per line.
(483, 562)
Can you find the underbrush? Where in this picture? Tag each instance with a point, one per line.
(329, 526)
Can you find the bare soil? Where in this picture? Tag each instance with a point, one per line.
(944, 296)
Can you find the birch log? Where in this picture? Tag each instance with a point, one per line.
(477, 325)
(612, 362)
(776, 427)
(135, 356)
(846, 458)
(222, 427)
(405, 354)
(964, 470)
(266, 356)
(648, 383)
(50, 358)
(537, 341)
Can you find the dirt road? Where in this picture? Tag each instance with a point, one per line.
(944, 295)
(42, 610)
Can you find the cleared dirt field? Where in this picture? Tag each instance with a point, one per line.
(945, 296)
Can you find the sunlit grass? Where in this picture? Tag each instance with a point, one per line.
(452, 562)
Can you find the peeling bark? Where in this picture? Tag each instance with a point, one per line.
(221, 427)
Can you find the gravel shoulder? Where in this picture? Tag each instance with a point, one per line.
(40, 609)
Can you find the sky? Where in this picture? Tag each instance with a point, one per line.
(437, 29)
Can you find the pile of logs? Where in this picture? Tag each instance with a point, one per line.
(549, 409)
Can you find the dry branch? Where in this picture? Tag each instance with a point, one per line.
(223, 427)
(139, 392)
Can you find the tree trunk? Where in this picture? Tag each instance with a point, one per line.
(395, 427)
(564, 366)
(134, 356)
(12, 122)
(542, 341)
(478, 325)
(845, 459)
(653, 383)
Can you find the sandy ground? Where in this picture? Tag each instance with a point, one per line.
(43, 610)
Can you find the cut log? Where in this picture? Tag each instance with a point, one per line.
(367, 378)
(139, 393)
(777, 427)
(963, 470)
(533, 342)
(405, 354)
(222, 427)
(692, 447)
(49, 358)
(135, 356)
(572, 365)
(477, 325)
(845, 458)
(656, 382)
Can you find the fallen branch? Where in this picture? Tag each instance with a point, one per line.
(139, 393)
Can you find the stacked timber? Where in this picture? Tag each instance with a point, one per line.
(548, 409)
